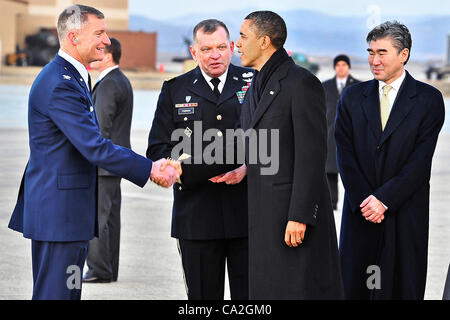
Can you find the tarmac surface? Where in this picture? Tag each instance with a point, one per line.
(150, 267)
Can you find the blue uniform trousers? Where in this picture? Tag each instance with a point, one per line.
(57, 269)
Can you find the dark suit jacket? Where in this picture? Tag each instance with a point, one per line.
(202, 210)
(293, 104)
(113, 100)
(57, 197)
(394, 165)
(332, 97)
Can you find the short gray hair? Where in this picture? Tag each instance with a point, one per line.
(75, 17)
(399, 33)
(209, 26)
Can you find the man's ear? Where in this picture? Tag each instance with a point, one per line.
(193, 52)
(108, 57)
(72, 37)
(405, 54)
(265, 42)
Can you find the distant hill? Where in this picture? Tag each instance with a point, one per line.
(311, 32)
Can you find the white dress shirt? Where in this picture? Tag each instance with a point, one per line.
(222, 79)
(105, 72)
(77, 64)
(340, 83)
(392, 94)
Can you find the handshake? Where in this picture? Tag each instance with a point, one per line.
(165, 172)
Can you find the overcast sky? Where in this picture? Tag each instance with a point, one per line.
(169, 9)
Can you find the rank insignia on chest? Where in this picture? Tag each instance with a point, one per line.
(186, 105)
(241, 94)
(188, 132)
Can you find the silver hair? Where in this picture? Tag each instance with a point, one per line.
(75, 18)
(399, 33)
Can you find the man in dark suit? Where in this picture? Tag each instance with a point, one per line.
(333, 90)
(113, 101)
(293, 203)
(56, 206)
(386, 134)
(209, 219)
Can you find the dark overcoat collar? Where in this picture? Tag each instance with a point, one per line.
(403, 104)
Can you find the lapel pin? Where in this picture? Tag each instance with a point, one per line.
(195, 81)
(66, 77)
(188, 132)
(271, 92)
(188, 98)
(92, 109)
(235, 78)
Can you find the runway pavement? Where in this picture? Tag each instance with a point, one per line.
(150, 267)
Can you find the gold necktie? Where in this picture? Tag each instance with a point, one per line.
(385, 106)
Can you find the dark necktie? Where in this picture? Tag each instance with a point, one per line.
(215, 82)
(89, 83)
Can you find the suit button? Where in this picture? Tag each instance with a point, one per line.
(219, 133)
(219, 117)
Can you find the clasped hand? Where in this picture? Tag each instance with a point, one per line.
(372, 209)
(165, 172)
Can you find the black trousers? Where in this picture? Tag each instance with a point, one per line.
(204, 268)
(333, 186)
(103, 252)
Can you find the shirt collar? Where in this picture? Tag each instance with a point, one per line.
(343, 81)
(395, 85)
(222, 78)
(77, 65)
(105, 72)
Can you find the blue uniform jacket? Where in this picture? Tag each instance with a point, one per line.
(57, 198)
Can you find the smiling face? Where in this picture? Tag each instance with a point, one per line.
(249, 45)
(91, 40)
(386, 63)
(212, 51)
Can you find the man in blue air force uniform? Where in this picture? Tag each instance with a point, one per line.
(56, 207)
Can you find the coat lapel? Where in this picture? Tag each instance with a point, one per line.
(403, 104)
(200, 87)
(270, 92)
(350, 81)
(371, 108)
(69, 67)
(335, 91)
(232, 85)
